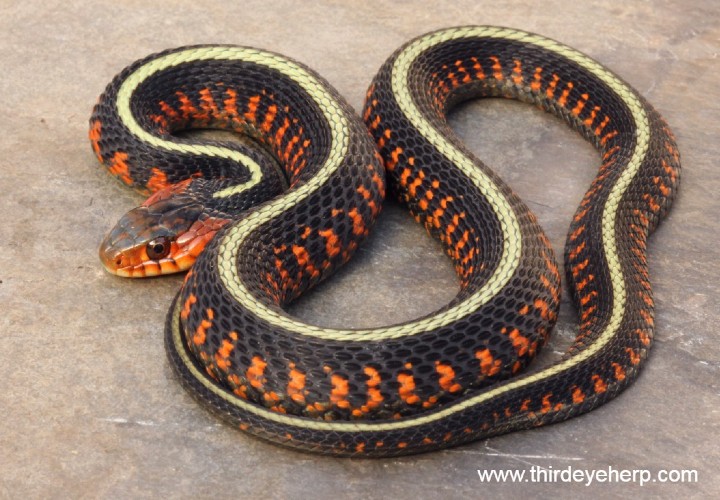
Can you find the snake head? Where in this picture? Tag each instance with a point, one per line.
(162, 236)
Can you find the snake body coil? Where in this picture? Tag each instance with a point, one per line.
(440, 380)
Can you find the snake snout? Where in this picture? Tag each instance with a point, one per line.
(113, 252)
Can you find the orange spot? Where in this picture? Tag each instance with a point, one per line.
(374, 397)
(608, 136)
(578, 268)
(576, 251)
(358, 223)
(303, 258)
(455, 222)
(579, 216)
(412, 188)
(634, 356)
(94, 135)
(157, 181)
(591, 119)
(119, 167)
(186, 106)
(404, 176)
(537, 80)
(431, 401)
(369, 109)
(332, 242)
(520, 343)
(670, 171)
(603, 124)
(582, 284)
(281, 132)
(545, 312)
(580, 105)
(647, 316)
(562, 101)
(254, 374)
(447, 377)
(644, 337)
(587, 298)
(207, 103)
(587, 313)
(187, 306)
(269, 118)
(550, 92)
(546, 404)
(291, 144)
(407, 388)
(461, 244)
(364, 192)
(578, 396)
(488, 365)
(575, 234)
(517, 73)
(250, 114)
(384, 138)
(222, 356)
(201, 330)
(230, 103)
(600, 385)
(619, 371)
(394, 157)
(479, 73)
(296, 385)
(461, 68)
(168, 111)
(339, 392)
(497, 68)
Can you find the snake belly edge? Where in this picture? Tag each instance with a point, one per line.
(450, 377)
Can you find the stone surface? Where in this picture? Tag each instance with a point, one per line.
(89, 404)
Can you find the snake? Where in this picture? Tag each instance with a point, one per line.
(260, 221)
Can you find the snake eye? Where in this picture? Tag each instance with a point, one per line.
(158, 248)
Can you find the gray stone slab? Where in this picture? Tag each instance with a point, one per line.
(89, 407)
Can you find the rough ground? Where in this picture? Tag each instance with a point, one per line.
(88, 402)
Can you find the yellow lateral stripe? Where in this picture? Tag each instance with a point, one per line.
(609, 246)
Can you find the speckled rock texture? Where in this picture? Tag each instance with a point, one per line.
(90, 407)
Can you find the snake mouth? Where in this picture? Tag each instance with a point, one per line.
(132, 264)
(133, 261)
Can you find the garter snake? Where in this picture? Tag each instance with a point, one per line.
(262, 225)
